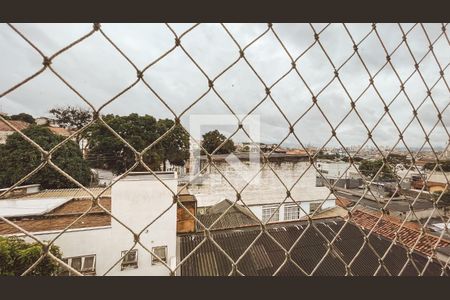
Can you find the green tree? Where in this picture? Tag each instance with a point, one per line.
(370, 168)
(108, 152)
(16, 256)
(18, 158)
(213, 139)
(444, 201)
(71, 117)
(175, 145)
(445, 165)
(22, 117)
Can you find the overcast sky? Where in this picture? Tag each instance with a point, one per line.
(99, 72)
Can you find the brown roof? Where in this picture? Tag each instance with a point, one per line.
(407, 235)
(20, 125)
(62, 216)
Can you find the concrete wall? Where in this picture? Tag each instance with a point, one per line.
(266, 188)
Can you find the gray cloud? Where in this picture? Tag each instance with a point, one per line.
(99, 72)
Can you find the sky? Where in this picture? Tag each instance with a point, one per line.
(99, 72)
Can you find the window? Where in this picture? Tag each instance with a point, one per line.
(161, 252)
(314, 206)
(83, 264)
(88, 264)
(76, 263)
(268, 211)
(130, 261)
(291, 212)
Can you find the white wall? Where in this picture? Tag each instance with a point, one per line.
(266, 189)
(337, 169)
(257, 209)
(136, 201)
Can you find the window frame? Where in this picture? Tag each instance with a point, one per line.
(82, 270)
(287, 208)
(125, 265)
(156, 261)
(275, 217)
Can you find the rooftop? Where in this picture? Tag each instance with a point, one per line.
(237, 216)
(409, 235)
(20, 125)
(77, 193)
(29, 207)
(61, 217)
(393, 205)
(265, 256)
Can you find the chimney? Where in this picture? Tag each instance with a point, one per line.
(185, 222)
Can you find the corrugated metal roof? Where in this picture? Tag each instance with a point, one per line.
(237, 216)
(267, 256)
(77, 193)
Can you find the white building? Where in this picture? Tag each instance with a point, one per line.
(265, 193)
(337, 170)
(96, 243)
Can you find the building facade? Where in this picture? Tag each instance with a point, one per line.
(100, 244)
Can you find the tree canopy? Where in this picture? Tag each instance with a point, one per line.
(18, 158)
(213, 139)
(370, 168)
(445, 165)
(16, 256)
(175, 145)
(21, 117)
(108, 152)
(71, 117)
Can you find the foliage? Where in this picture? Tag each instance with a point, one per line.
(394, 159)
(323, 155)
(21, 117)
(18, 158)
(356, 159)
(370, 168)
(109, 152)
(16, 256)
(445, 165)
(175, 145)
(444, 201)
(71, 117)
(213, 139)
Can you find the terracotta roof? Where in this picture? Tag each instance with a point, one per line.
(62, 216)
(20, 125)
(407, 235)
